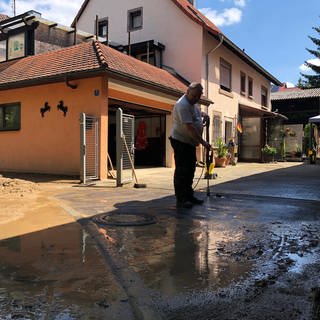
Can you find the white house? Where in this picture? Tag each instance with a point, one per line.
(174, 35)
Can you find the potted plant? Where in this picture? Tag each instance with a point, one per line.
(268, 153)
(221, 153)
(285, 132)
(298, 152)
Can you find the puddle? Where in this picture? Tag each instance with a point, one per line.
(56, 274)
(179, 255)
(299, 262)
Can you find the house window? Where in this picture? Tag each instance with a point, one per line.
(250, 87)
(227, 130)
(225, 75)
(3, 50)
(264, 96)
(216, 128)
(242, 83)
(135, 19)
(10, 116)
(103, 28)
(16, 46)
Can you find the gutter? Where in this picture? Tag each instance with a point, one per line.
(242, 55)
(63, 77)
(160, 87)
(72, 76)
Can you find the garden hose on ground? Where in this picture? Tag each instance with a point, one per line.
(201, 174)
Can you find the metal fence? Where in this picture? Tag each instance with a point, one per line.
(89, 148)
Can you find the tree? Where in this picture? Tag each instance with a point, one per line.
(312, 80)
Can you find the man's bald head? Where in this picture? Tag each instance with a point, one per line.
(195, 86)
(194, 92)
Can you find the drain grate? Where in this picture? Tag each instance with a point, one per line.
(125, 219)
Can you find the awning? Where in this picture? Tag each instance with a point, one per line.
(315, 119)
(246, 111)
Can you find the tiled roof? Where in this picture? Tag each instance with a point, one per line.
(283, 88)
(83, 58)
(295, 94)
(3, 17)
(68, 60)
(187, 8)
(124, 64)
(196, 15)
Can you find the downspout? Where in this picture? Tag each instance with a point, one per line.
(207, 68)
(207, 63)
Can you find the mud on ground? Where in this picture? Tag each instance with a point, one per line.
(282, 289)
(15, 197)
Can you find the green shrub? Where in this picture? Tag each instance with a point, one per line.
(269, 150)
(222, 149)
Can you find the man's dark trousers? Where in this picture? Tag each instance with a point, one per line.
(185, 160)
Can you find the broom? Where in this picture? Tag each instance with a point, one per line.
(136, 185)
(111, 172)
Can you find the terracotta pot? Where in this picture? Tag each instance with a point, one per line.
(220, 162)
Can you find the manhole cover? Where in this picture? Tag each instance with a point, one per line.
(125, 219)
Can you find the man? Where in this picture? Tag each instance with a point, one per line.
(185, 136)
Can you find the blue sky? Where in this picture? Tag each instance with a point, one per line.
(273, 32)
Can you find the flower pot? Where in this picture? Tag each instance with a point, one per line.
(268, 158)
(220, 162)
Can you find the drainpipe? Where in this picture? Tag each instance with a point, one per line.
(207, 63)
(207, 67)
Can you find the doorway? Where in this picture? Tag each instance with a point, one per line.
(149, 135)
(250, 142)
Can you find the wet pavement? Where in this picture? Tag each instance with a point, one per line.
(251, 251)
(48, 274)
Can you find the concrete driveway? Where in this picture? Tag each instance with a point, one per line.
(250, 252)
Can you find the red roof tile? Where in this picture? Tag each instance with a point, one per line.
(3, 17)
(296, 94)
(84, 57)
(73, 59)
(196, 15)
(284, 88)
(125, 64)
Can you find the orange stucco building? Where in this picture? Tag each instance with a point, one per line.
(86, 78)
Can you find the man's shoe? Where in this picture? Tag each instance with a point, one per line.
(184, 204)
(195, 200)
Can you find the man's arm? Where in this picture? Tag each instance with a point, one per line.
(196, 136)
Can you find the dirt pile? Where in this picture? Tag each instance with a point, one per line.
(21, 187)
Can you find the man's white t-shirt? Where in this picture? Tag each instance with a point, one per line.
(183, 113)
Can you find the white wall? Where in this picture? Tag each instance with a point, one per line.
(225, 102)
(186, 48)
(163, 21)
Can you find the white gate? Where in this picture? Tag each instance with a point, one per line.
(89, 148)
(125, 147)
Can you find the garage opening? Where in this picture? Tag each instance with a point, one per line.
(149, 133)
